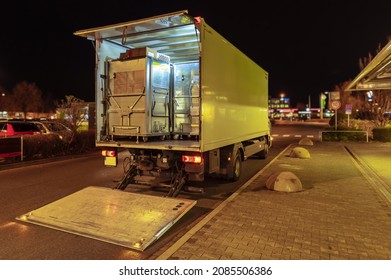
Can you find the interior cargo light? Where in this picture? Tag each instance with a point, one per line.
(108, 153)
(192, 159)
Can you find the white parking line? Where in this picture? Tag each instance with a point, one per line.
(296, 135)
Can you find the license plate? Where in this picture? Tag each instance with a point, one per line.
(111, 161)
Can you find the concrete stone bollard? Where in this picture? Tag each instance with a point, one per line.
(284, 181)
(306, 142)
(300, 152)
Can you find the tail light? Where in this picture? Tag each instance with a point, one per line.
(109, 153)
(191, 159)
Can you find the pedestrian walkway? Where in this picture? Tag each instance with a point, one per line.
(340, 214)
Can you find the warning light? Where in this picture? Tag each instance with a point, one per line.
(108, 153)
(192, 159)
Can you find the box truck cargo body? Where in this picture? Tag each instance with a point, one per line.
(183, 101)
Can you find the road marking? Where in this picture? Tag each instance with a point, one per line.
(288, 135)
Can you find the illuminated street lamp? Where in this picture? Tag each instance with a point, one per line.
(2, 103)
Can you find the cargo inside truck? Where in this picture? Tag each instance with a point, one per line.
(149, 76)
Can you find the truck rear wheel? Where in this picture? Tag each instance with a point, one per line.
(263, 154)
(236, 167)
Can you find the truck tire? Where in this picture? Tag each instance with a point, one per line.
(236, 167)
(264, 152)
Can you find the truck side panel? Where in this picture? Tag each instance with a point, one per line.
(234, 93)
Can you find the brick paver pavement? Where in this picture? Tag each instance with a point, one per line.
(338, 215)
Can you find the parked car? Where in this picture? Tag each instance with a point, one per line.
(55, 127)
(17, 128)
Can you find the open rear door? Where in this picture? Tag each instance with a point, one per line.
(123, 218)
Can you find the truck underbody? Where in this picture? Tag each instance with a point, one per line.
(173, 169)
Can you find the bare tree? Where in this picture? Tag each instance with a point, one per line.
(378, 106)
(26, 97)
(364, 61)
(368, 105)
(73, 109)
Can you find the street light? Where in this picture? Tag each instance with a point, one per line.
(2, 104)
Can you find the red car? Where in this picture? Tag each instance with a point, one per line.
(14, 128)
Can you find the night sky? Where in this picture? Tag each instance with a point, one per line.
(307, 47)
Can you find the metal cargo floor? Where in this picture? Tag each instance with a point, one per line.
(123, 218)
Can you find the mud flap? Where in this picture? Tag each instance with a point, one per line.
(123, 218)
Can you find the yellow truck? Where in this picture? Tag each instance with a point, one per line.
(184, 101)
